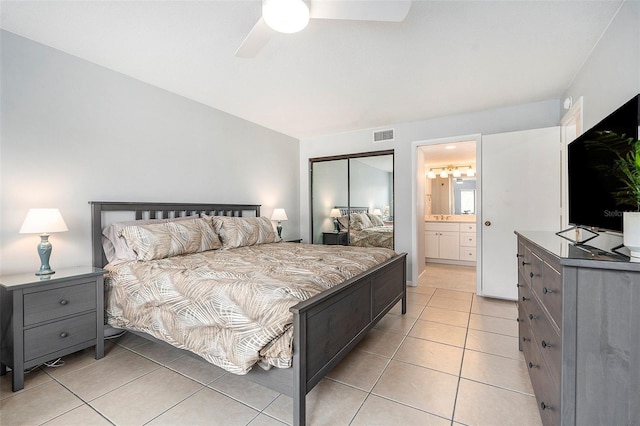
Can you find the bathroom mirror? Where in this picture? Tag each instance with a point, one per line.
(449, 196)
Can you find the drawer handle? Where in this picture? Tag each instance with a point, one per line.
(524, 299)
(64, 334)
(545, 344)
(531, 365)
(519, 255)
(518, 285)
(531, 317)
(524, 339)
(544, 406)
(546, 290)
(64, 301)
(525, 263)
(531, 274)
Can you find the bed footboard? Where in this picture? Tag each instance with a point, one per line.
(328, 326)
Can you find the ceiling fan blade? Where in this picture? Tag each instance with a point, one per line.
(257, 38)
(360, 10)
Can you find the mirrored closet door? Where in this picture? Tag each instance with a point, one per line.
(352, 199)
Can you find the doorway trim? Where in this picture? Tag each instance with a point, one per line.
(417, 193)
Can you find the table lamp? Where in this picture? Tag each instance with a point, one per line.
(376, 212)
(43, 222)
(335, 214)
(279, 215)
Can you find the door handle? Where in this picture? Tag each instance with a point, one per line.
(487, 223)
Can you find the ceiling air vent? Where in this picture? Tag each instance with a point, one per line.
(383, 135)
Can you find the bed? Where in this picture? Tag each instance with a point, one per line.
(324, 327)
(365, 229)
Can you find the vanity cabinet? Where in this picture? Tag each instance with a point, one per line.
(442, 240)
(450, 241)
(578, 319)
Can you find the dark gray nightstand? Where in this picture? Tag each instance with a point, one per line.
(334, 238)
(43, 319)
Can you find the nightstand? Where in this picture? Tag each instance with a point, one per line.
(297, 240)
(334, 238)
(43, 319)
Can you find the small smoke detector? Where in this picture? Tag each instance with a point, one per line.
(383, 135)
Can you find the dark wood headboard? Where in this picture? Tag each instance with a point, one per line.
(344, 210)
(145, 210)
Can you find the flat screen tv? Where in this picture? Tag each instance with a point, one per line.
(590, 187)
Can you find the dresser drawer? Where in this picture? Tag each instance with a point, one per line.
(468, 227)
(525, 265)
(467, 239)
(49, 338)
(549, 292)
(547, 341)
(468, 253)
(59, 302)
(547, 394)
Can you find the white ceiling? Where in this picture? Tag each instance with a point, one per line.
(447, 57)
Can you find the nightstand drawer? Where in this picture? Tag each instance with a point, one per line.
(49, 338)
(59, 302)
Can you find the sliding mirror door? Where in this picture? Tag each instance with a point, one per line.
(328, 189)
(352, 200)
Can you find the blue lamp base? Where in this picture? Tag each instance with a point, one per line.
(44, 251)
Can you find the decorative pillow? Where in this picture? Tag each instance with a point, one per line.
(360, 221)
(244, 231)
(343, 221)
(116, 248)
(375, 220)
(160, 240)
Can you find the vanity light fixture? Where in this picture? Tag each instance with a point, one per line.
(451, 169)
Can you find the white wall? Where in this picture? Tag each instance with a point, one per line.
(72, 131)
(609, 78)
(611, 74)
(521, 117)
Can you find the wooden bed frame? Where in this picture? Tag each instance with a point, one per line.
(326, 327)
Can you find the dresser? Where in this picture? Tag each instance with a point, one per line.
(46, 317)
(579, 329)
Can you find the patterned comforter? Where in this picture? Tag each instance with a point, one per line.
(231, 307)
(377, 236)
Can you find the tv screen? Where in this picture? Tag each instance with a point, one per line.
(590, 182)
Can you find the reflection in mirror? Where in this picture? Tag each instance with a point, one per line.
(371, 186)
(444, 196)
(352, 200)
(328, 190)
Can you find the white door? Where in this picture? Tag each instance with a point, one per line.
(520, 191)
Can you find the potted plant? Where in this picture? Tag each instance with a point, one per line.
(626, 168)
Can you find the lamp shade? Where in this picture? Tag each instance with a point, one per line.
(377, 212)
(43, 221)
(279, 214)
(285, 16)
(335, 213)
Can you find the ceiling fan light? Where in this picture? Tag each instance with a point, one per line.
(444, 174)
(431, 174)
(471, 172)
(285, 16)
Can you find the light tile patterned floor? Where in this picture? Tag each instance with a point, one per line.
(452, 359)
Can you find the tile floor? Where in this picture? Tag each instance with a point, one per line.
(452, 359)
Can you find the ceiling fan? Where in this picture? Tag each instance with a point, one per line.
(289, 16)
